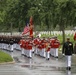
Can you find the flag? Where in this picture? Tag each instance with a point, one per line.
(31, 27)
(31, 20)
(26, 29)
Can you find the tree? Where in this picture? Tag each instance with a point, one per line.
(66, 14)
(46, 13)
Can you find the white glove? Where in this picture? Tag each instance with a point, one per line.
(63, 55)
(73, 54)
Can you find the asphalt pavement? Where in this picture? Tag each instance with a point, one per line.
(36, 65)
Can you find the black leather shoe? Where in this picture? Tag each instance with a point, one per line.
(69, 68)
(47, 59)
(56, 57)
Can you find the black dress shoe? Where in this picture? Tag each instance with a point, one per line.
(47, 59)
(69, 68)
(56, 57)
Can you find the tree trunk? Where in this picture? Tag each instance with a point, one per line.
(62, 28)
(63, 34)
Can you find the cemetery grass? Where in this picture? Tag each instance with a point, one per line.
(5, 57)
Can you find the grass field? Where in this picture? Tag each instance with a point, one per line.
(5, 57)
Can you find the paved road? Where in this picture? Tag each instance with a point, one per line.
(36, 66)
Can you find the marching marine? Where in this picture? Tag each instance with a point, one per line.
(68, 51)
(48, 47)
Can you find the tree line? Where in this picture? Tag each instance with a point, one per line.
(46, 13)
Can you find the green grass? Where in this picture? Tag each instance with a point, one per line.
(5, 57)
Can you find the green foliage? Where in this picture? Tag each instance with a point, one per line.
(49, 13)
(5, 57)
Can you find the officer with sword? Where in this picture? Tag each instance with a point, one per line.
(67, 50)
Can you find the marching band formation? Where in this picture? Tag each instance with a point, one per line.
(9, 42)
(43, 47)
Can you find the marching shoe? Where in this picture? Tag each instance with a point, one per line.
(69, 68)
(47, 59)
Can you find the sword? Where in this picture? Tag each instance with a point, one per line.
(62, 57)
